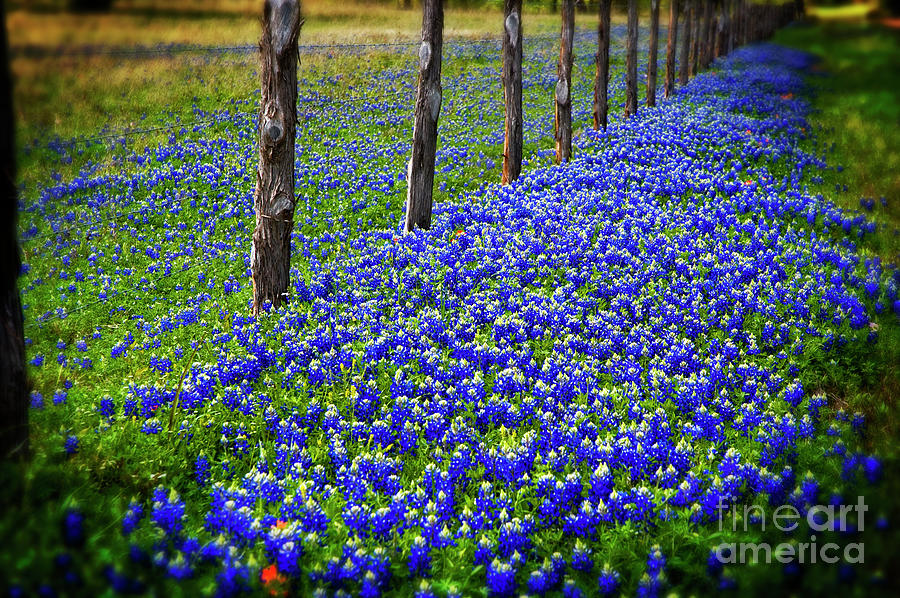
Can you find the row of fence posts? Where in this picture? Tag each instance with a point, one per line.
(709, 29)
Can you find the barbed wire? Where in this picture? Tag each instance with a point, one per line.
(129, 132)
(143, 131)
(219, 119)
(398, 95)
(36, 51)
(131, 292)
(404, 95)
(68, 230)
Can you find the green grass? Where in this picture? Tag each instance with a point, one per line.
(857, 109)
(855, 10)
(72, 95)
(111, 468)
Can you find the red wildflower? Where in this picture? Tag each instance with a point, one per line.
(270, 573)
(274, 580)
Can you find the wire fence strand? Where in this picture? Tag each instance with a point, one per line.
(33, 51)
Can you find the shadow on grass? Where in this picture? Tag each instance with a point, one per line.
(858, 104)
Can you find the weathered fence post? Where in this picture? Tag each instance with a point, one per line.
(270, 256)
(684, 69)
(512, 89)
(13, 381)
(631, 60)
(671, 48)
(420, 177)
(654, 50)
(564, 84)
(601, 81)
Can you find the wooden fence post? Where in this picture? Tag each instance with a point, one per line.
(270, 256)
(601, 81)
(671, 48)
(654, 50)
(512, 89)
(631, 60)
(420, 177)
(684, 66)
(13, 380)
(564, 84)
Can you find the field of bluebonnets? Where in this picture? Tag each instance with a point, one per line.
(555, 389)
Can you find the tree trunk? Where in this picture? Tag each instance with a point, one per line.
(270, 257)
(90, 5)
(711, 34)
(704, 38)
(718, 27)
(512, 89)
(696, 11)
(631, 60)
(729, 28)
(684, 67)
(564, 84)
(752, 21)
(754, 16)
(13, 381)
(671, 48)
(428, 108)
(723, 28)
(654, 51)
(601, 81)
